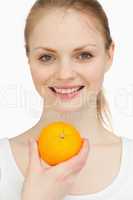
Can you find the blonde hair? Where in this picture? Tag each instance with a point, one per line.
(88, 7)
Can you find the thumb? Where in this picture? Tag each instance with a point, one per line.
(35, 161)
(34, 158)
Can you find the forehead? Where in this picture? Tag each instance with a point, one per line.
(65, 27)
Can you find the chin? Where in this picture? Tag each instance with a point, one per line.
(67, 109)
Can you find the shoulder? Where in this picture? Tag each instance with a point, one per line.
(13, 143)
(14, 153)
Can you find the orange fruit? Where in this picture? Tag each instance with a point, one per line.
(58, 142)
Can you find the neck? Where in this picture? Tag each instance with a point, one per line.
(84, 119)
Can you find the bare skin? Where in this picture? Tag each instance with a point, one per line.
(68, 69)
(109, 154)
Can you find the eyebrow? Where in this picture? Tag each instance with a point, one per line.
(52, 50)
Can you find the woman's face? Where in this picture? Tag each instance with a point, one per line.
(56, 58)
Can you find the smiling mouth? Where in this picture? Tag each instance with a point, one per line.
(67, 92)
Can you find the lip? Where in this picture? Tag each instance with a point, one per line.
(68, 96)
(67, 86)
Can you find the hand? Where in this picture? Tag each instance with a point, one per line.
(45, 182)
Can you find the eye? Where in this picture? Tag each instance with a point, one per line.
(85, 55)
(45, 58)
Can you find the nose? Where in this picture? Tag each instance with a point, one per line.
(65, 72)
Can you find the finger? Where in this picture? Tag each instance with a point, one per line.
(42, 162)
(45, 165)
(34, 158)
(79, 159)
(74, 164)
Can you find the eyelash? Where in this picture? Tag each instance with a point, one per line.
(83, 53)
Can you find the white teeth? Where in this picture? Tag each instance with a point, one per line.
(63, 91)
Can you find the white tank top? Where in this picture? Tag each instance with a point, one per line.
(121, 188)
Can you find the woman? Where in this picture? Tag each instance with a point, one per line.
(69, 50)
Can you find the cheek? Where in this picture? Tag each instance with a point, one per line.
(95, 77)
(39, 76)
(40, 79)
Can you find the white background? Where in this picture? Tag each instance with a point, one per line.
(20, 104)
